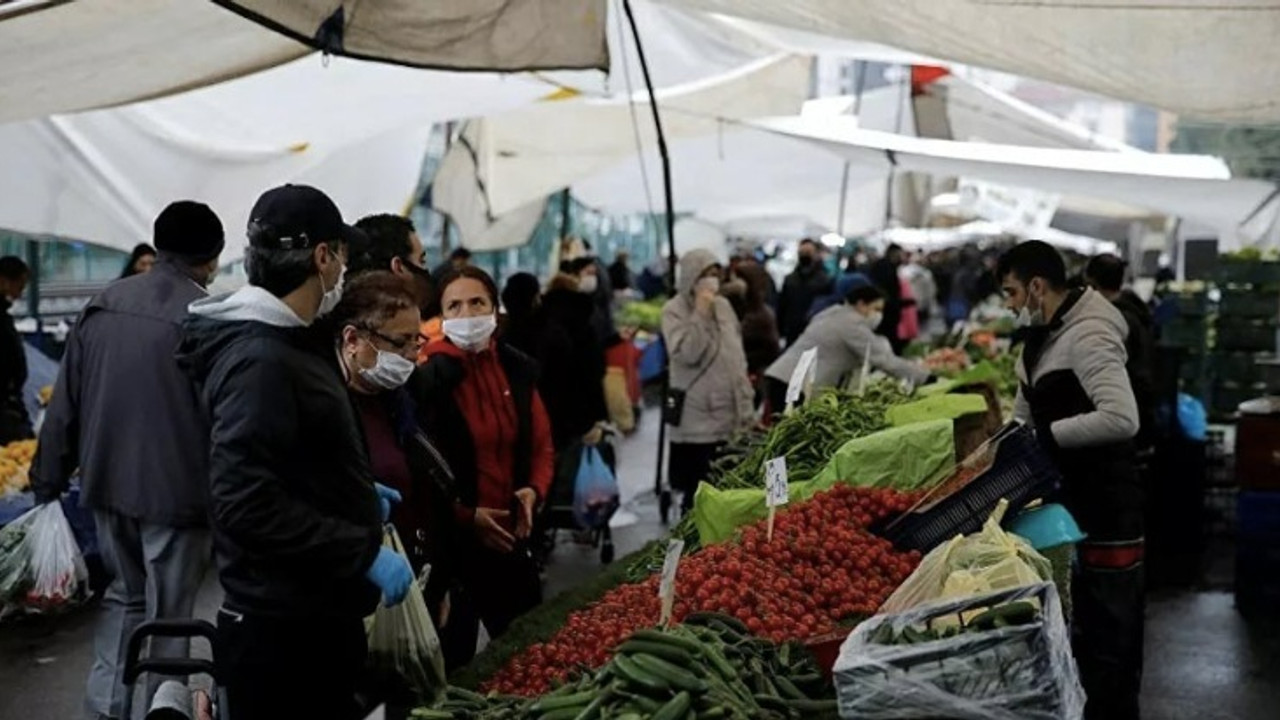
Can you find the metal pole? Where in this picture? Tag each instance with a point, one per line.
(33, 287)
(444, 231)
(664, 494)
(844, 197)
(566, 221)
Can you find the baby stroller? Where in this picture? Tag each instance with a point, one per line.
(558, 514)
(135, 665)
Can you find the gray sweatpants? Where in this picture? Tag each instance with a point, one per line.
(157, 572)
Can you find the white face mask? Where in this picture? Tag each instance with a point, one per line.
(707, 284)
(471, 333)
(588, 284)
(1028, 317)
(874, 319)
(332, 296)
(389, 372)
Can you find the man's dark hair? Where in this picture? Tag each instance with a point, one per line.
(1033, 259)
(577, 265)
(809, 241)
(864, 294)
(460, 254)
(279, 272)
(1105, 272)
(521, 294)
(13, 268)
(388, 238)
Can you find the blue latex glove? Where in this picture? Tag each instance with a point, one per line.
(391, 573)
(386, 496)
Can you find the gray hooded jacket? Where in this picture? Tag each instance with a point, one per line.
(707, 360)
(844, 338)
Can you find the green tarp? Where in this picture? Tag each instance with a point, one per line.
(905, 458)
(936, 407)
(983, 372)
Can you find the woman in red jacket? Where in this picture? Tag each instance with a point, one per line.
(478, 401)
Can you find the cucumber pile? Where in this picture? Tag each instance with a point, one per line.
(709, 667)
(1020, 612)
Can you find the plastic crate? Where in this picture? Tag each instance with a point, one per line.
(1249, 304)
(1185, 332)
(1019, 471)
(1255, 272)
(1238, 368)
(1246, 336)
(1022, 671)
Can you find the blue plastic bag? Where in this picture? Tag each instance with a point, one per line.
(1192, 417)
(595, 491)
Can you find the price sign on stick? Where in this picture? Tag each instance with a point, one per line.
(802, 376)
(667, 585)
(776, 490)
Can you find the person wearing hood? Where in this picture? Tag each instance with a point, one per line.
(710, 397)
(141, 446)
(479, 400)
(847, 343)
(1074, 390)
(297, 516)
(806, 283)
(377, 337)
(1105, 273)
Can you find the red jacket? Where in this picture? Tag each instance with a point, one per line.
(484, 396)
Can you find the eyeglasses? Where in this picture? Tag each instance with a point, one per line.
(401, 344)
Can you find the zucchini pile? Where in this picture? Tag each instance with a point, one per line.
(709, 667)
(1020, 612)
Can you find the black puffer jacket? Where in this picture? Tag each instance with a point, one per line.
(295, 516)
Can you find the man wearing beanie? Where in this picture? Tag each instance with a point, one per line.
(127, 416)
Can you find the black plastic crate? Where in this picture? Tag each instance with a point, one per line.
(1248, 304)
(1020, 472)
(1239, 368)
(1253, 273)
(1192, 304)
(1246, 336)
(1186, 332)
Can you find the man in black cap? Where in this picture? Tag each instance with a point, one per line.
(126, 415)
(297, 517)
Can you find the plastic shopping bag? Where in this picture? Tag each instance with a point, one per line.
(403, 643)
(41, 567)
(983, 562)
(595, 491)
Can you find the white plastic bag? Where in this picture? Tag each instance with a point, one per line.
(403, 641)
(1022, 671)
(991, 559)
(41, 567)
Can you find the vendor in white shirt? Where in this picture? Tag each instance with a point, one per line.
(846, 341)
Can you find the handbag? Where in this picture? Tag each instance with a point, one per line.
(673, 401)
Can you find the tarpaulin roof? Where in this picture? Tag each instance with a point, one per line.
(65, 56)
(1210, 60)
(1198, 188)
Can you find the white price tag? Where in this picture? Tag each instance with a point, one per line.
(776, 491)
(802, 375)
(667, 584)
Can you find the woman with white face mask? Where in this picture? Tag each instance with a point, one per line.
(377, 325)
(482, 407)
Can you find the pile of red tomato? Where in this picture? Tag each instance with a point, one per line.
(822, 567)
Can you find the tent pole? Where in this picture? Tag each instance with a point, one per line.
(663, 494)
(33, 289)
(564, 214)
(444, 230)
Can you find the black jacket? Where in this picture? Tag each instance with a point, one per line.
(124, 412)
(799, 291)
(885, 276)
(1140, 346)
(296, 519)
(14, 422)
(572, 366)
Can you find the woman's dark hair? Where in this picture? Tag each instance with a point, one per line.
(757, 280)
(372, 298)
(470, 272)
(864, 294)
(140, 251)
(577, 265)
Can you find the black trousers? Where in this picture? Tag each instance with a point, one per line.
(277, 668)
(689, 465)
(496, 589)
(1109, 605)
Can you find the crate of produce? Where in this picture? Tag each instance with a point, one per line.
(1240, 368)
(1185, 332)
(1250, 272)
(1190, 304)
(998, 655)
(1010, 466)
(1255, 336)
(1249, 304)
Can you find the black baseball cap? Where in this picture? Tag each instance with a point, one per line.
(296, 217)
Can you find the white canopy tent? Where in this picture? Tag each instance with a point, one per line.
(66, 56)
(1195, 187)
(1213, 61)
